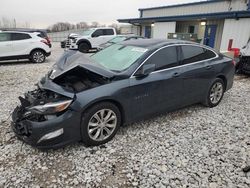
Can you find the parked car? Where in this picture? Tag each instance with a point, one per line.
(42, 33)
(117, 39)
(66, 43)
(243, 65)
(91, 39)
(89, 98)
(22, 45)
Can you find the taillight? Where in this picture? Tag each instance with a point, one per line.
(45, 42)
(48, 39)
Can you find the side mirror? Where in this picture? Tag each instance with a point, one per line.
(145, 70)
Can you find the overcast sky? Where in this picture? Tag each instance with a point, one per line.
(42, 13)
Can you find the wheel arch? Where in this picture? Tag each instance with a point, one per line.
(84, 41)
(37, 49)
(224, 79)
(115, 102)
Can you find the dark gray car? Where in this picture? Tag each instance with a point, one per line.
(88, 98)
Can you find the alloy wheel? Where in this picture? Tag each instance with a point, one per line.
(38, 57)
(102, 124)
(216, 92)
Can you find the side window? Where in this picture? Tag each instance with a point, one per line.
(165, 58)
(208, 54)
(4, 37)
(193, 54)
(109, 32)
(97, 33)
(19, 36)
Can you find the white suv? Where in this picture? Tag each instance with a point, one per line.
(23, 45)
(90, 39)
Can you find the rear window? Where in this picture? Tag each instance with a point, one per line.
(43, 35)
(193, 54)
(109, 32)
(19, 36)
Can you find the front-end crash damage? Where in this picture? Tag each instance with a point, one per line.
(48, 116)
(43, 117)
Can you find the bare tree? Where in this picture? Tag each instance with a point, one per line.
(81, 25)
(95, 24)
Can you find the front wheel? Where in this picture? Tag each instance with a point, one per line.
(83, 47)
(215, 93)
(37, 56)
(100, 124)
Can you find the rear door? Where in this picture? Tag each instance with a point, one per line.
(161, 90)
(108, 35)
(197, 71)
(5, 45)
(97, 38)
(21, 43)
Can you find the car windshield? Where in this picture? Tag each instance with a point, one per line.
(117, 39)
(118, 57)
(87, 32)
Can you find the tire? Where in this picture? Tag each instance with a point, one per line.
(83, 47)
(37, 56)
(92, 131)
(215, 93)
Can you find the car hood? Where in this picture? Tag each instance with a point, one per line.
(73, 59)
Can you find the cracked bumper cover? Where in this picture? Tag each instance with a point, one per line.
(31, 131)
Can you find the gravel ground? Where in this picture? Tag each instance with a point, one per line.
(192, 147)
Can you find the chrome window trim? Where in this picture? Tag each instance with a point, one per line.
(197, 45)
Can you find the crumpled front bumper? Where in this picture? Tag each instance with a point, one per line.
(31, 131)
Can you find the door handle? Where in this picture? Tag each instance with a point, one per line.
(208, 67)
(176, 74)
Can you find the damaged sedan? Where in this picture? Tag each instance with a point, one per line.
(88, 98)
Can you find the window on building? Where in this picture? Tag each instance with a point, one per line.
(191, 29)
(195, 53)
(164, 58)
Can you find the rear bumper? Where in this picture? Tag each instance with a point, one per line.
(48, 54)
(31, 132)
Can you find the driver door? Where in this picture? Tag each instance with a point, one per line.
(159, 91)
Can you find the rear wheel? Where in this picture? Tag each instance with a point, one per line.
(83, 47)
(216, 93)
(100, 124)
(37, 56)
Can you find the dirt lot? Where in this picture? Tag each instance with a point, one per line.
(192, 147)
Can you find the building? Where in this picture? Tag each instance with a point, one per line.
(213, 22)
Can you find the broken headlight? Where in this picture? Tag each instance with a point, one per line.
(51, 108)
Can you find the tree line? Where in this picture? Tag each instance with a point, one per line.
(65, 26)
(57, 27)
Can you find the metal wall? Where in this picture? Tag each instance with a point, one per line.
(161, 29)
(220, 6)
(238, 30)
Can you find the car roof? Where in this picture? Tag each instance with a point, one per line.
(24, 30)
(154, 43)
(18, 32)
